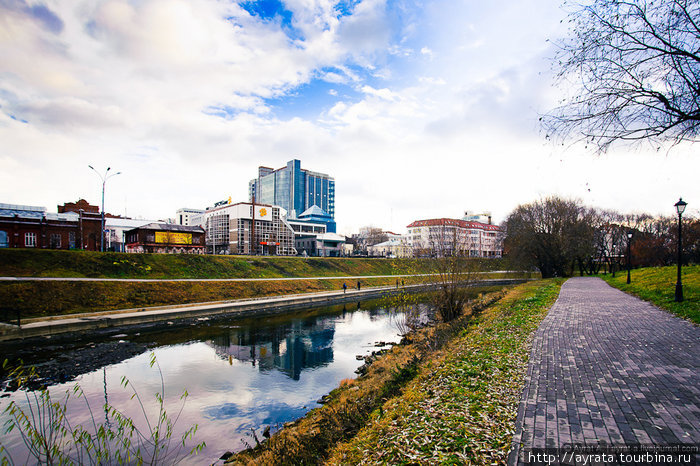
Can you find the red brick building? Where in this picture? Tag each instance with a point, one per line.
(33, 227)
(82, 204)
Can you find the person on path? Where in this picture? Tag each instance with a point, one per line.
(358, 284)
(345, 287)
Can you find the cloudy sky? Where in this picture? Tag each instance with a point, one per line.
(418, 108)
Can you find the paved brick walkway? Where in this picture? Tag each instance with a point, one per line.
(607, 369)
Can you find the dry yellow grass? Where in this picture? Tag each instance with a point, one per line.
(347, 409)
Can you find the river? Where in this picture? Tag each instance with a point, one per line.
(241, 375)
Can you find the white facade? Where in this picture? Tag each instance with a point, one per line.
(230, 228)
(394, 247)
(188, 217)
(446, 236)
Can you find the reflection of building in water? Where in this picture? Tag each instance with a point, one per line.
(289, 348)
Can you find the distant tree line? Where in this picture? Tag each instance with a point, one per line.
(560, 237)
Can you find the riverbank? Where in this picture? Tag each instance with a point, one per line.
(449, 394)
(41, 299)
(54, 325)
(170, 279)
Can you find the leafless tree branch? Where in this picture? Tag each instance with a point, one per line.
(635, 70)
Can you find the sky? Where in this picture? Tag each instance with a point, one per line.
(419, 109)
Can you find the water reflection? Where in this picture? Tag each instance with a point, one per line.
(240, 374)
(288, 349)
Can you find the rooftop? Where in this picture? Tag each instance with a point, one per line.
(453, 222)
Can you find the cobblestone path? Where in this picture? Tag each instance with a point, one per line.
(607, 369)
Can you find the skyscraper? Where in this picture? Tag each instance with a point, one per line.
(293, 189)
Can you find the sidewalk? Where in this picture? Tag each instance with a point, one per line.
(607, 369)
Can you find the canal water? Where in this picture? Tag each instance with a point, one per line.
(241, 375)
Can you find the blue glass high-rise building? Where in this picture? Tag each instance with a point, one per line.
(293, 189)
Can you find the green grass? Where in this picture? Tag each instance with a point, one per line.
(658, 285)
(53, 263)
(40, 299)
(461, 408)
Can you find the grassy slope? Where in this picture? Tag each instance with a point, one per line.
(41, 299)
(47, 263)
(462, 405)
(658, 285)
(38, 299)
(455, 404)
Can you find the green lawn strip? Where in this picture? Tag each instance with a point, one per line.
(462, 406)
(658, 285)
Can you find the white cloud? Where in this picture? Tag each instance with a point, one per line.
(384, 94)
(173, 94)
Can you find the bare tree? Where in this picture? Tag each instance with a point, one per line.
(553, 234)
(369, 236)
(452, 270)
(635, 69)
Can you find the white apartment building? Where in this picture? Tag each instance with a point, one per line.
(444, 236)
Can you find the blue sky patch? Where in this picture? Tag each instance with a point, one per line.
(50, 20)
(272, 11)
(21, 120)
(346, 7)
(311, 99)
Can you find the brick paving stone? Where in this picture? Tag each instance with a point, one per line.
(609, 369)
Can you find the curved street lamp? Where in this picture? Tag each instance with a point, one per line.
(629, 255)
(104, 179)
(680, 207)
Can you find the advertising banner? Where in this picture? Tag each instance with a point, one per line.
(169, 237)
(263, 213)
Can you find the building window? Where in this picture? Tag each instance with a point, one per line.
(71, 239)
(55, 241)
(30, 240)
(4, 239)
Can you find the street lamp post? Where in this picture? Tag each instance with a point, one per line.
(104, 179)
(680, 207)
(629, 255)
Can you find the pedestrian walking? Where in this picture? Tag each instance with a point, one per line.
(358, 284)
(345, 287)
